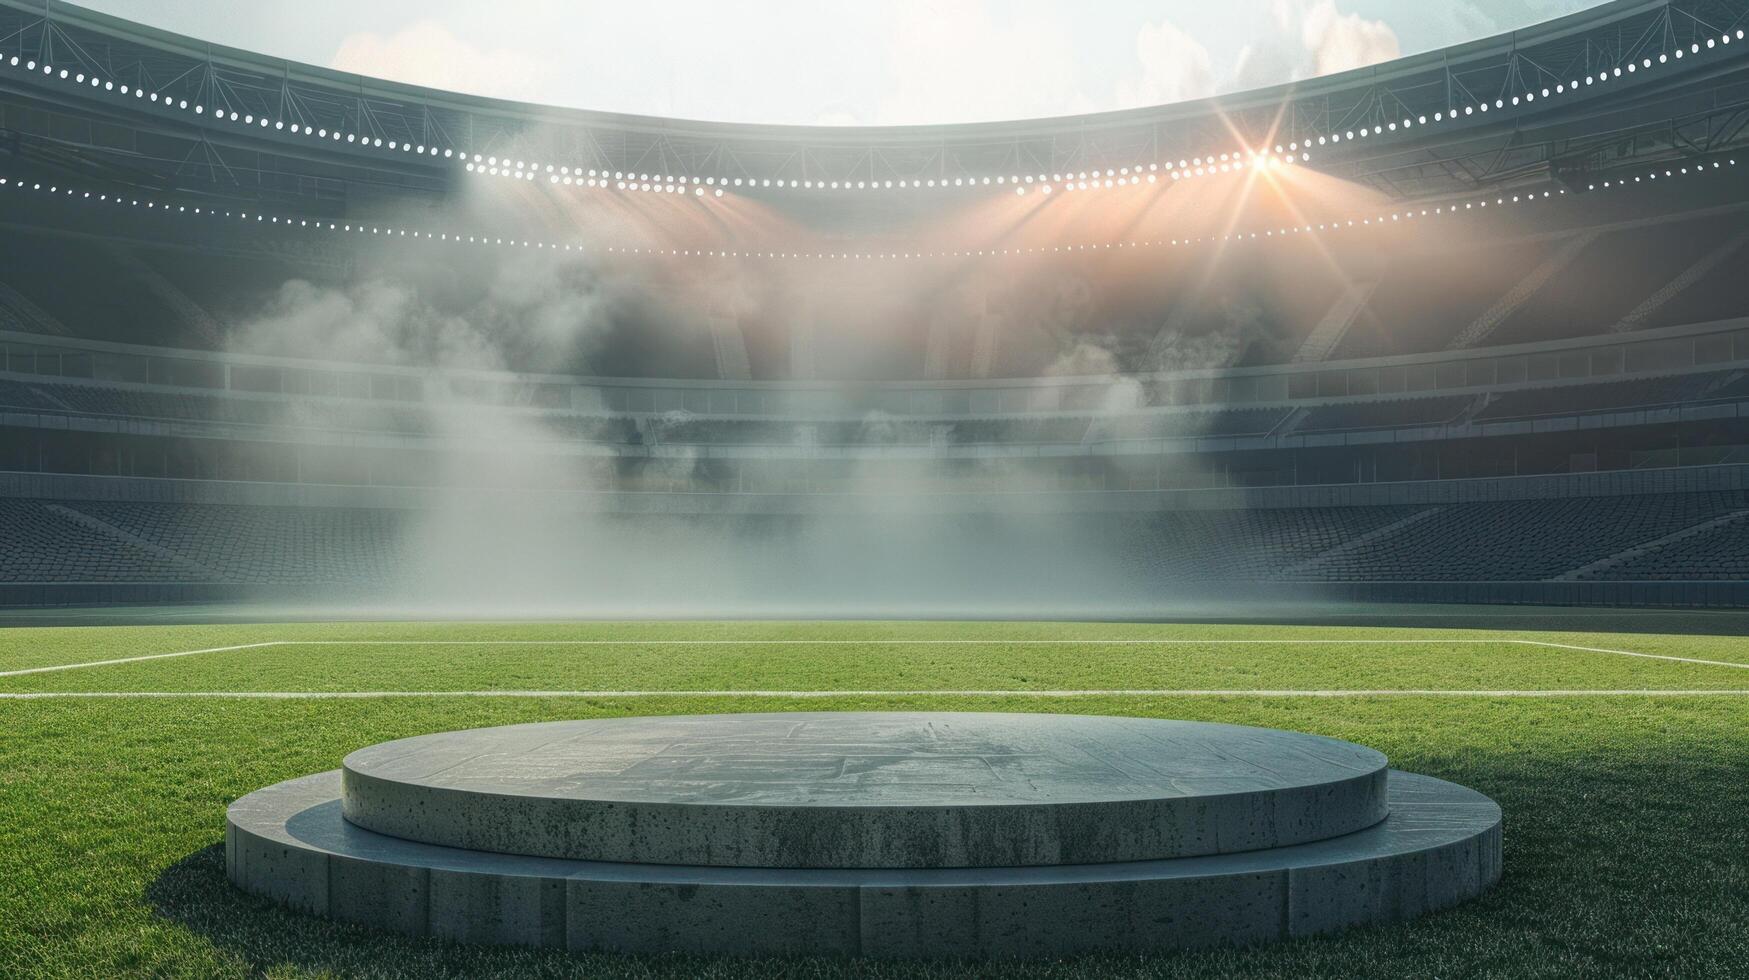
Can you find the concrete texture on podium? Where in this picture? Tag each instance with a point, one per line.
(1439, 846)
(866, 790)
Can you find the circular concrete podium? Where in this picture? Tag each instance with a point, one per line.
(880, 834)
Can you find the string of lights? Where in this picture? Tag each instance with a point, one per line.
(1572, 86)
(1044, 183)
(1197, 166)
(1278, 232)
(1207, 164)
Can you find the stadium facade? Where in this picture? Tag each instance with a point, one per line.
(1466, 326)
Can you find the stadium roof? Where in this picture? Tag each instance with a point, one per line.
(1446, 121)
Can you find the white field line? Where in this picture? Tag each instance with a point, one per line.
(644, 643)
(131, 660)
(1630, 653)
(822, 643)
(802, 695)
(1065, 641)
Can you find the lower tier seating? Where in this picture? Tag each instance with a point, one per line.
(1518, 540)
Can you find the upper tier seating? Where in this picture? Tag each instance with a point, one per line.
(1400, 320)
(1566, 399)
(1613, 274)
(1179, 425)
(1378, 415)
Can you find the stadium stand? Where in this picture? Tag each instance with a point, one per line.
(1717, 295)
(1719, 554)
(1504, 541)
(1400, 320)
(271, 545)
(1376, 415)
(1612, 275)
(1524, 540)
(726, 433)
(208, 402)
(1238, 422)
(1639, 393)
(1065, 430)
(43, 545)
(1245, 545)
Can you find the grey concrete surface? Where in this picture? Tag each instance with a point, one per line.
(1439, 846)
(866, 790)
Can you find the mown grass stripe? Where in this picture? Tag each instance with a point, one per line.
(966, 693)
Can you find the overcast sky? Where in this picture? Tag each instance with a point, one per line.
(838, 62)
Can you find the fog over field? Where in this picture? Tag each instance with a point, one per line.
(496, 534)
(519, 508)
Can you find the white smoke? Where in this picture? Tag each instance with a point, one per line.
(523, 510)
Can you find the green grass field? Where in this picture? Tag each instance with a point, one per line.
(1621, 759)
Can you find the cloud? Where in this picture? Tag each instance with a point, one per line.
(1308, 38)
(1175, 68)
(1339, 42)
(427, 53)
